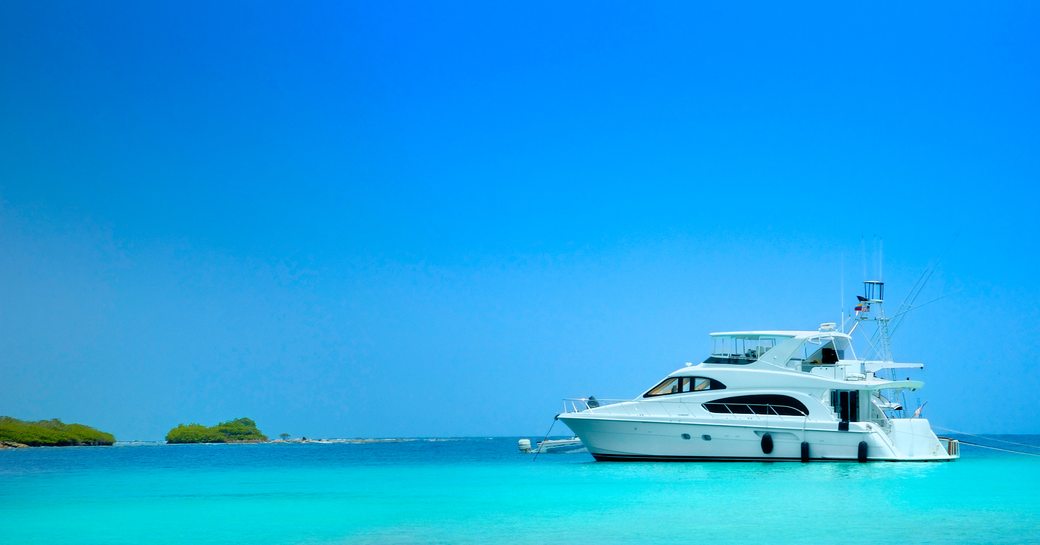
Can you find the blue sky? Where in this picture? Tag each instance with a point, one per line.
(401, 219)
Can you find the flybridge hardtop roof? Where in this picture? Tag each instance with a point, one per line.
(792, 334)
(788, 349)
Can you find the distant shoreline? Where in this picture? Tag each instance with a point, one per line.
(323, 441)
(239, 430)
(15, 433)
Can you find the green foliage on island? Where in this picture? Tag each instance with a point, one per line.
(241, 430)
(51, 433)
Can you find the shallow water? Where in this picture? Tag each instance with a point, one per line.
(483, 490)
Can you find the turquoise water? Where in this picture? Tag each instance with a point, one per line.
(484, 491)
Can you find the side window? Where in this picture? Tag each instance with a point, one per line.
(700, 384)
(765, 404)
(684, 385)
(667, 386)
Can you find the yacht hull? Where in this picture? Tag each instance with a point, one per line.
(627, 439)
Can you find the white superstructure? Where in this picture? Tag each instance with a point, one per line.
(766, 395)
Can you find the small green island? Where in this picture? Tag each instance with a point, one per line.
(49, 433)
(242, 430)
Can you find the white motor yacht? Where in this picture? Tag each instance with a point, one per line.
(769, 395)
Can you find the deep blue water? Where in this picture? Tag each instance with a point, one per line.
(484, 491)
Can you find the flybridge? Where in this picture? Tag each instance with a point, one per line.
(816, 352)
(743, 347)
(824, 353)
(796, 350)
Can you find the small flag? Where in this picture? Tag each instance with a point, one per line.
(917, 413)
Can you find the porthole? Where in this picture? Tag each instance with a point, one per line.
(685, 436)
(706, 437)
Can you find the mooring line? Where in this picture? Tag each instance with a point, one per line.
(1001, 449)
(538, 448)
(986, 438)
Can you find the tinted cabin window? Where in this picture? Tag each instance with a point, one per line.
(770, 404)
(700, 384)
(667, 386)
(677, 385)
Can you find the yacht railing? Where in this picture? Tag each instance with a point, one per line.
(680, 407)
(952, 446)
(578, 404)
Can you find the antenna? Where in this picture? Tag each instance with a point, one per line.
(874, 253)
(842, 292)
(881, 260)
(863, 255)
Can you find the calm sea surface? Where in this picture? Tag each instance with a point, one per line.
(484, 491)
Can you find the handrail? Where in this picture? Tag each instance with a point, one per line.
(576, 405)
(579, 404)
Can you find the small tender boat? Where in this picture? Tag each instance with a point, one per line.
(770, 395)
(552, 446)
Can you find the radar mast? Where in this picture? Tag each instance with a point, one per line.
(870, 307)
